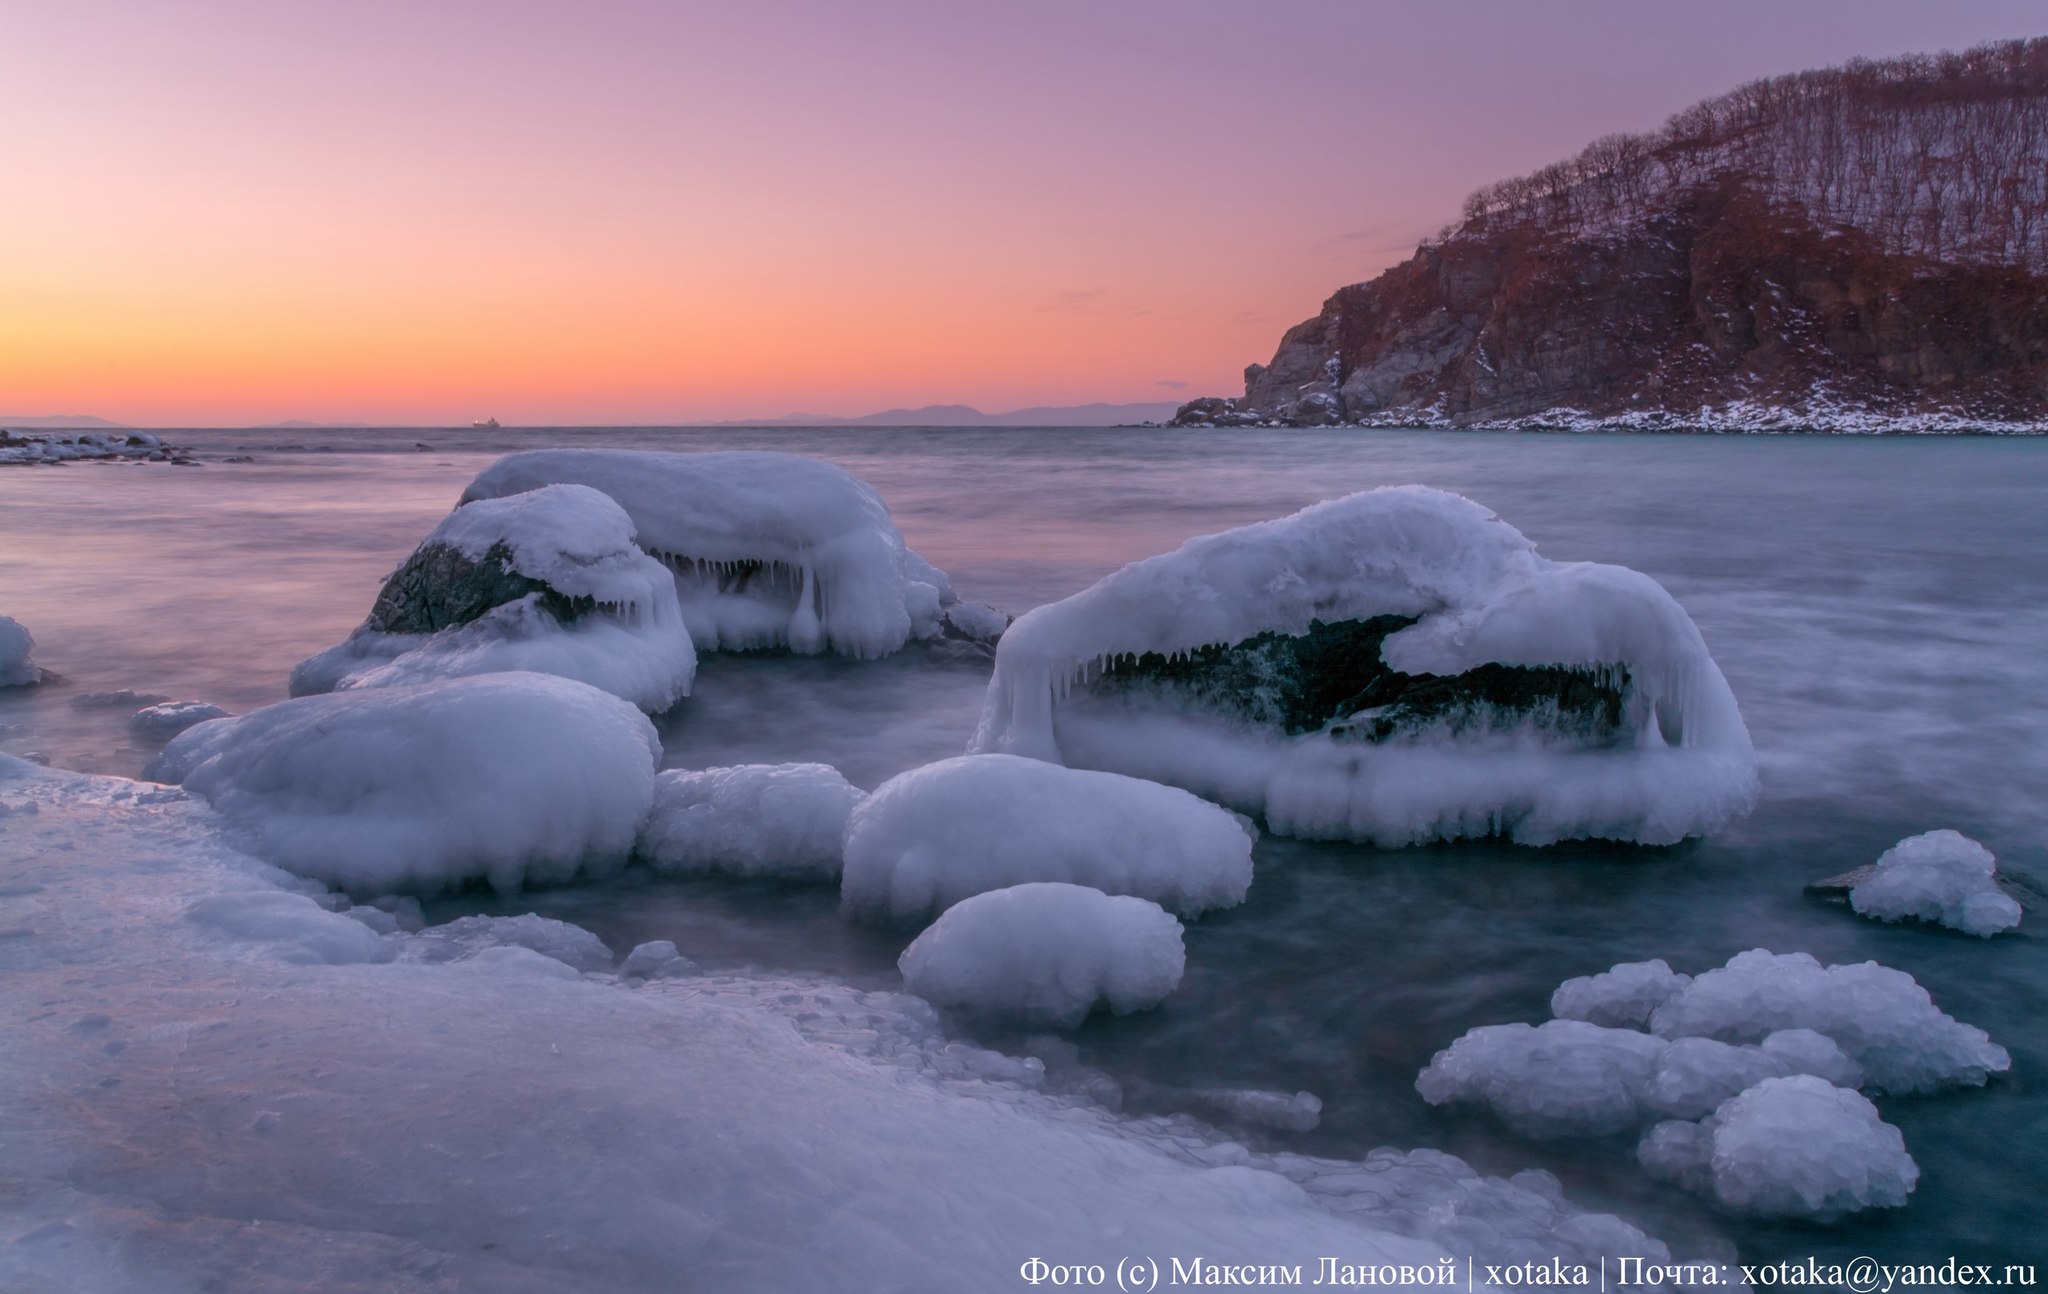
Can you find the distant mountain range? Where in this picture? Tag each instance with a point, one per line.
(1863, 248)
(60, 422)
(961, 415)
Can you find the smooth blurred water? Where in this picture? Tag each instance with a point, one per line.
(1879, 606)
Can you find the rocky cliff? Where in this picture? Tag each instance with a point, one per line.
(1859, 249)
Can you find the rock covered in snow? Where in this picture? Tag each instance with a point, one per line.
(656, 959)
(167, 719)
(30, 448)
(935, 835)
(1939, 876)
(1047, 953)
(1878, 1016)
(549, 580)
(1621, 998)
(465, 937)
(767, 550)
(770, 820)
(506, 777)
(1796, 1147)
(1393, 666)
(17, 661)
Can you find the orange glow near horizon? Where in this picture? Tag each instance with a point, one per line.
(639, 212)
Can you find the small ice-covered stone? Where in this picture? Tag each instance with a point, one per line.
(1620, 998)
(1566, 1077)
(1796, 1147)
(1939, 876)
(1047, 953)
(933, 836)
(17, 660)
(166, 720)
(775, 820)
(656, 959)
(464, 937)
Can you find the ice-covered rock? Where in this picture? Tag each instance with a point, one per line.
(931, 837)
(167, 719)
(767, 550)
(506, 777)
(1047, 953)
(465, 937)
(1620, 998)
(549, 581)
(1939, 876)
(1796, 1147)
(1878, 1016)
(31, 448)
(289, 927)
(17, 660)
(656, 959)
(775, 820)
(1392, 666)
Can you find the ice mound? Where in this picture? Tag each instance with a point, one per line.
(1878, 1016)
(1788, 1147)
(289, 927)
(928, 838)
(508, 777)
(465, 937)
(1940, 876)
(1047, 953)
(775, 820)
(767, 550)
(549, 581)
(1621, 998)
(1392, 666)
(17, 663)
(167, 719)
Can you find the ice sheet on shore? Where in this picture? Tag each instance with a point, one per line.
(17, 660)
(1471, 594)
(579, 600)
(505, 777)
(186, 1117)
(935, 835)
(767, 550)
(1939, 876)
(1047, 953)
(784, 821)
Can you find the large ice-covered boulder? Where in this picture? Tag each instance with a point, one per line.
(1047, 954)
(1393, 666)
(1794, 1147)
(783, 821)
(549, 580)
(17, 659)
(509, 778)
(767, 550)
(933, 836)
(1939, 876)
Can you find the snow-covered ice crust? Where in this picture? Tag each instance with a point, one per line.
(1479, 594)
(1939, 876)
(1047, 953)
(784, 821)
(508, 777)
(579, 544)
(17, 662)
(495, 1124)
(1788, 1147)
(935, 835)
(767, 550)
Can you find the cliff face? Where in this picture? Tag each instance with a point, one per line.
(1708, 283)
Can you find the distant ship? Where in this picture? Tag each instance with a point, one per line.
(485, 424)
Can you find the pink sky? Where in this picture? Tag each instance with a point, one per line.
(595, 212)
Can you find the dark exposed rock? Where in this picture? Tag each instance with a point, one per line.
(1333, 677)
(438, 588)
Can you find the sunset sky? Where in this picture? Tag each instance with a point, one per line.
(613, 212)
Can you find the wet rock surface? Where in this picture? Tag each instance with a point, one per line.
(439, 588)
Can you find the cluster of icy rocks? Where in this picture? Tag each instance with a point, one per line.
(1745, 1077)
(18, 449)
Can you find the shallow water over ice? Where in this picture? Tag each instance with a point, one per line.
(1879, 608)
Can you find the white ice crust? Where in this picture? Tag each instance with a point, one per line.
(503, 1122)
(1623, 997)
(935, 835)
(767, 550)
(766, 820)
(1795, 1147)
(1047, 953)
(1482, 595)
(1939, 876)
(576, 541)
(17, 663)
(510, 777)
